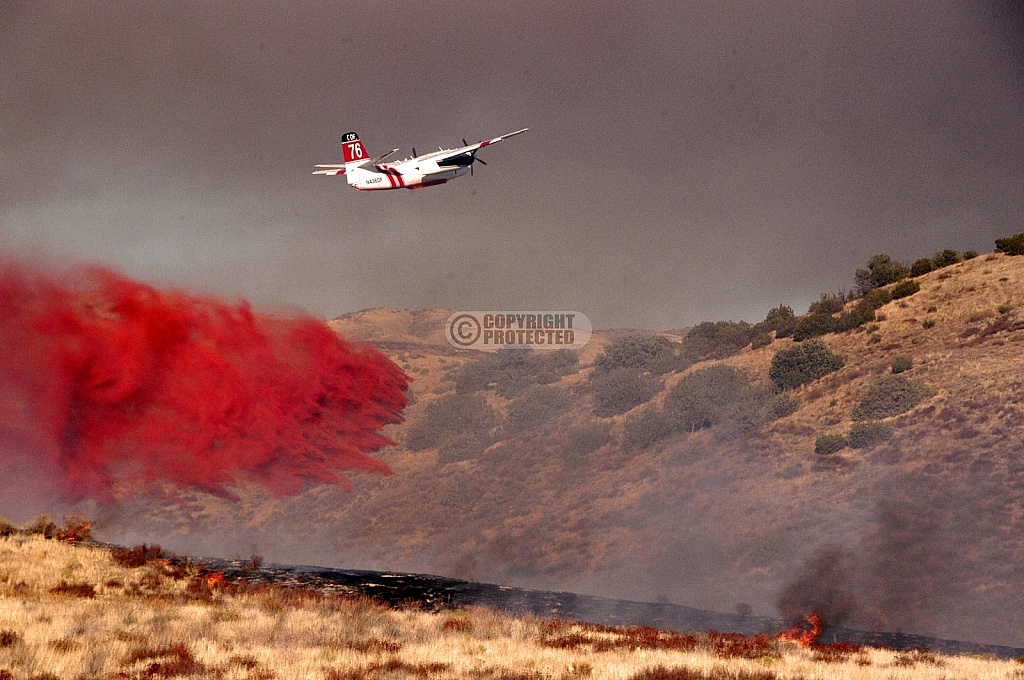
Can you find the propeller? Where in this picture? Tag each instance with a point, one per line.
(473, 154)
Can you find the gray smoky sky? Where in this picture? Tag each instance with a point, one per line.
(686, 161)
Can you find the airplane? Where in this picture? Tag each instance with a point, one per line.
(416, 172)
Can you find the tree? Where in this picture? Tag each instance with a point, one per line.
(881, 270)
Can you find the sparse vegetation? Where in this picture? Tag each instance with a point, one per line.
(890, 396)
(881, 270)
(803, 364)
(928, 323)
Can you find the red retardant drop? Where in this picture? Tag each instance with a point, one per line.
(108, 385)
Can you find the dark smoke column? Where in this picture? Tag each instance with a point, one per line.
(108, 386)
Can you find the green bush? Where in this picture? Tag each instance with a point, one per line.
(829, 443)
(583, 440)
(1011, 245)
(459, 447)
(922, 266)
(449, 416)
(905, 289)
(651, 353)
(761, 340)
(890, 396)
(813, 325)
(802, 364)
(780, 406)
(645, 428)
(715, 340)
(970, 254)
(779, 319)
(6, 528)
(535, 406)
(706, 397)
(510, 372)
(881, 270)
(946, 258)
(827, 304)
(620, 390)
(902, 363)
(868, 433)
(928, 323)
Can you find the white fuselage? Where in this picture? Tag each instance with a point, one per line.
(411, 173)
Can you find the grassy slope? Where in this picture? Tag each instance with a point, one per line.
(150, 622)
(711, 519)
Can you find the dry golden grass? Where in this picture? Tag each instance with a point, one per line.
(142, 623)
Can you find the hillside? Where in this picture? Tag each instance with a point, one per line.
(85, 611)
(503, 472)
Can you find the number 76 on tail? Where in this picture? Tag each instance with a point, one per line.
(415, 172)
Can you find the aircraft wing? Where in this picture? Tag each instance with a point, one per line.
(480, 145)
(334, 169)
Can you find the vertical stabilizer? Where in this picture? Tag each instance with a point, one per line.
(354, 150)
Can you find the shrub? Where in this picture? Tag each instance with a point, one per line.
(583, 440)
(512, 371)
(881, 270)
(813, 325)
(781, 320)
(42, 524)
(802, 364)
(829, 443)
(6, 528)
(868, 433)
(780, 406)
(449, 416)
(970, 254)
(890, 396)
(828, 304)
(644, 428)
(1011, 245)
(715, 340)
(922, 266)
(706, 397)
(653, 353)
(535, 406)
(905, 289)
(458, 447)
(928, 323)
(946, 258)
(902, 363)
(761, 340)
(620, 390)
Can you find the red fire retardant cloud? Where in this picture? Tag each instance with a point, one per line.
(108, 385)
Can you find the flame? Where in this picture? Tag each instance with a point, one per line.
(213, 578)
(801, 635)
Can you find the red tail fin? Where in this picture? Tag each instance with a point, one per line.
(354, 150)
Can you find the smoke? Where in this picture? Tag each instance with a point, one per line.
(905, 573)
(109, 386)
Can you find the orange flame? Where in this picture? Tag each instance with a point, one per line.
(213, 578)
(801, 635)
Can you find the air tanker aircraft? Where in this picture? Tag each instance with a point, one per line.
(436, 167)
